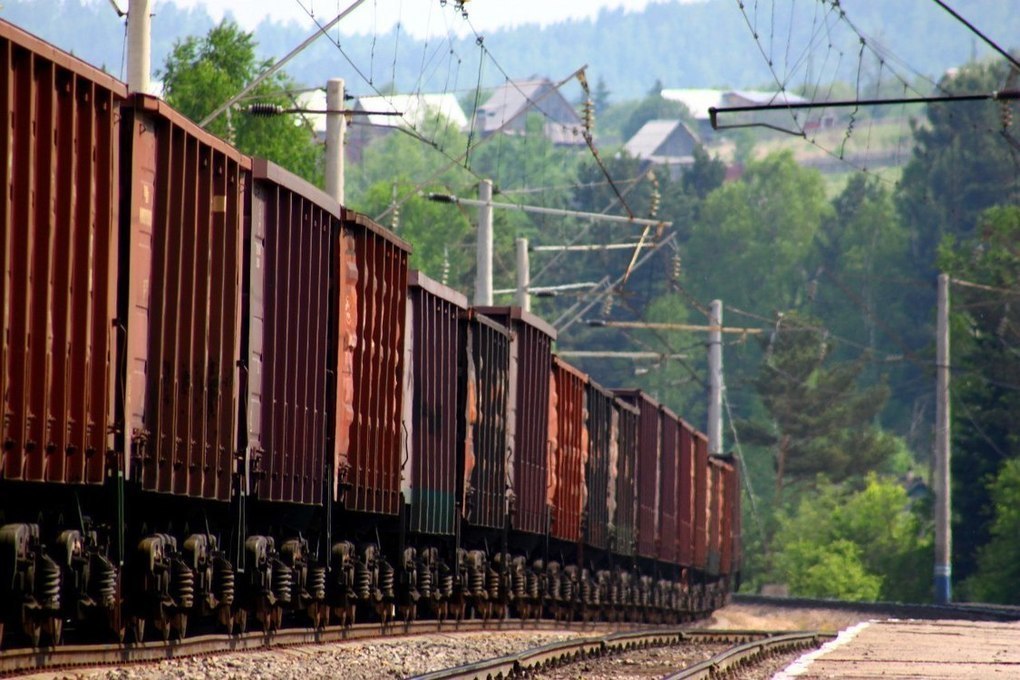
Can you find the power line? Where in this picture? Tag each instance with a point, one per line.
(978, 33)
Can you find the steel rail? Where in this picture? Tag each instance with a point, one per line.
(570, 651)
(750, 653)
(969, 611)
(32, 659)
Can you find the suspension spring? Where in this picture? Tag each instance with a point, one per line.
(476, 580)
(386, 579)
(362, 581)
(105, 580)
(283, 581)
(48, 583)
(425, 579)
(494, 583)
(446, 584)
(586, 590)
(317, 582)
(533, 584)
(223, 581)
(183, 584)
(519, 582)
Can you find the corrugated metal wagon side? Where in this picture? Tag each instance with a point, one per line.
(432, 388)
(533, 340)
(702, 496)
(290, 334)
(716, 509)
(625, 521)
(183, 300)
(485, 403)
(600, 506)
(569, 451)
(686, 494)
(648, 473)
(668, 485)
(730, 516)
(59, 241)
(370, 464)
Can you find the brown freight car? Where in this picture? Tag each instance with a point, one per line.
(532, 349)
(601, 466)
(686, 494)
(568, 450)
(289, 336)
(670, 426)
(373, 290)
(432, 385)
(626, 460)
(647, 470)
(486, 398)
(182, 300)
(58, 227)
(702, 497)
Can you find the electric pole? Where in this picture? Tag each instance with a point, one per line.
(483, 260)
(336, 128)
(943, 503)
(715, 378)
(139, 30)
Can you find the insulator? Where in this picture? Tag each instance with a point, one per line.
(183, 584)
(317, 582)
(677, 266)
(386, 579)
(283, 581)
(103, 581)
(264, 110)
(223, 581)
(607, 305)
(47, 580)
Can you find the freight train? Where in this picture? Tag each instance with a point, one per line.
(227, 399)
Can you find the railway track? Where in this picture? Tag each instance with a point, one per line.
(749, 647)
(24, 660)
(970, 612)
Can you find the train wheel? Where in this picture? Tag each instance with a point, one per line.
(54, 627)
(241, 621)
(180, 624)
(162, 624)
(32, 628)
(138, 629)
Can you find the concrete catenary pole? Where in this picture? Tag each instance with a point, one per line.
(483, 264)
(943, 501)
(715, 377)
(139, 30)
(523, 299)
(336, 129)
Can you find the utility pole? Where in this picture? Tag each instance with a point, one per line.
(483, 261)
(943, 531)
(715, 378)
(523, 298)
(336, 128)
(139, 29)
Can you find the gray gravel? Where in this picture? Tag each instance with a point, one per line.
(355, 660)
(645, 663)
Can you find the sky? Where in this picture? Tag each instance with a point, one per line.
(415, 16)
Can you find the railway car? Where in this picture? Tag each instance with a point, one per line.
(227, 398)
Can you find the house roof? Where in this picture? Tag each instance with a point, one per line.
(416, 108)
(516, 96)
(647, 141)
(698, 101)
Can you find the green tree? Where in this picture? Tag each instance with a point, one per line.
(819, 420)
(853, 543)
(985, 327)
(200, 74)
(998, 562)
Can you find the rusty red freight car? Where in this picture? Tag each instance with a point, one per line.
(730, 515)
(686, 494)
(668, 485)
(432, 384)
(568, 450)
(600, 468)
(626, 460)
(59, 230)
(702, 498)
(373, 291)
(289, 335)
(182, 283)
(486, 397)
(647, 470)
(532, 349)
